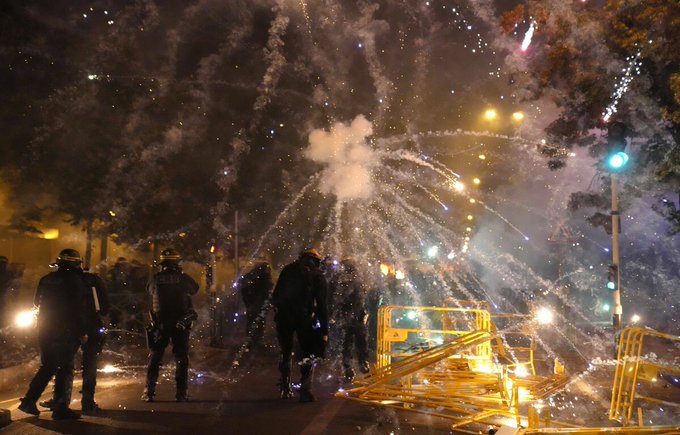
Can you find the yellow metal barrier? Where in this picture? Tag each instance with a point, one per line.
(631, 368)
(462, 380)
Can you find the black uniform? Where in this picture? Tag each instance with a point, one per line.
(172, 313)
(95, 332)
(300, 302)
(255, 287)
(351, 315)
(61, 325)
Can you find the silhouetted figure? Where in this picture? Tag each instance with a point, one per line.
(299, 300)
(351, 316)
(62, 327)
(172, 315)
(97, 305)
(255, 287)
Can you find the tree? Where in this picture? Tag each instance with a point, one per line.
(577, 60)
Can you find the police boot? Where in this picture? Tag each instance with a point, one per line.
(148, 394)
(285, 388)
(307, 372)
(349, 374)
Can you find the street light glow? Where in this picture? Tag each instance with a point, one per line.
(490, 114)
(518, 116)
(635, 318)
(26, 318)
(544, 316)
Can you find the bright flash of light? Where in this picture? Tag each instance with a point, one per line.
(527, 36)
(399, 274)
(451, 255)
(521, 372)
(476, 181)
(384, 269)
(635, 318)
(26, 319)
(605, 307)
(518, 116)
(110, 368)
(458, 186)
(482, 157)
(469, 217)
(544, 316)
(432, 251)
(490, 114)
(112, 213)
(411, 315)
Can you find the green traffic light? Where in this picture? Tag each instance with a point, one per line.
(617, 160)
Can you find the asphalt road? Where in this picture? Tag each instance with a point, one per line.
(225, 399)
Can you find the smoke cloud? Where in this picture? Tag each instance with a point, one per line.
(348, 158)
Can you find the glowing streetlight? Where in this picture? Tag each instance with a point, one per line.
(490, 114)
(476, 180)
(470, 217)
(518, 116)
(635, 318)
(26, 318)
(472, 200)
(544, 316)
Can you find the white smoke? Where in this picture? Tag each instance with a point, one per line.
(348, 158)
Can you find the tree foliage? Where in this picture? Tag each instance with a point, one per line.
(578, 56)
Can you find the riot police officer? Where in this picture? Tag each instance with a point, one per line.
(60, 298)
(255, 286)
(351, 315)
(96, 305)
(172, 314)
(299, 300)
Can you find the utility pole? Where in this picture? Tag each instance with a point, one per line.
(236, 262)
(616, 161)
(618, 308)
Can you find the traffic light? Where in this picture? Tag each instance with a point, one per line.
(613, 277)
(616, 144)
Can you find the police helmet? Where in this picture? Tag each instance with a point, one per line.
(170, 257)
(311, 252)
(69, 258)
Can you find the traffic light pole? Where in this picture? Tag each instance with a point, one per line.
(618, 309)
